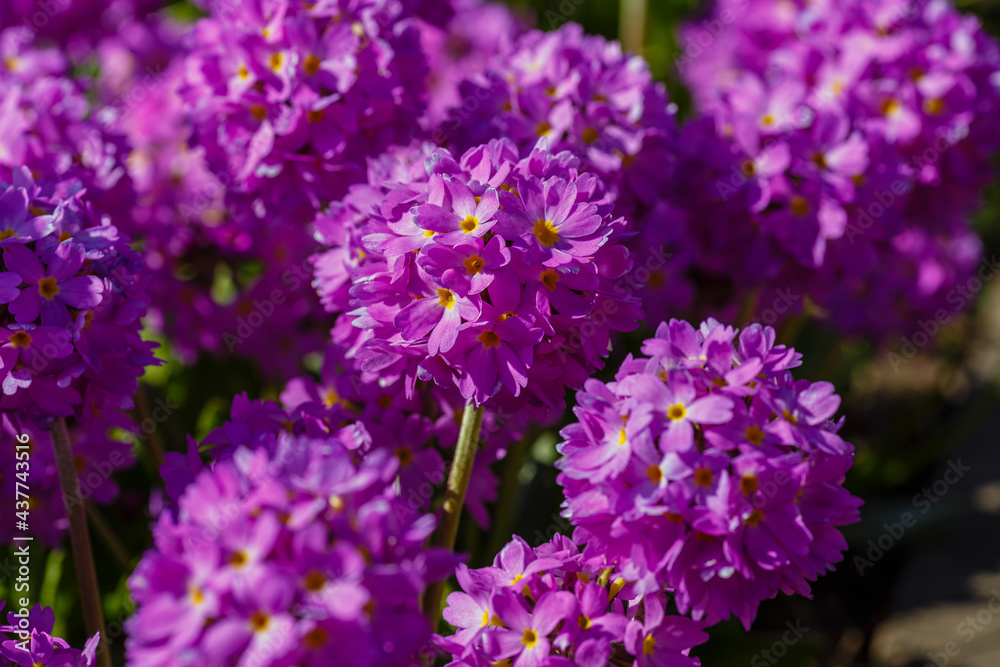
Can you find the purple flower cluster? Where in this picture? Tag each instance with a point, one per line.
(289, 98)
(73, 295)
(580, 92)
(549, 607)
(867, 128)
(707, 469)
(280, 557)
(48, 126)
(35, 644)
(476, 33)
(489, 273)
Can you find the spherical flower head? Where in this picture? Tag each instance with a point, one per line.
(74, 299)
(476, 34)
(864, 124)
(705, 469)
(579, 92)
(50, 127)
(291, 98)
(547, 605)
(283, 556)
(492, 274)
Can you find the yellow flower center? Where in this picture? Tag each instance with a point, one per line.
(529, 638)
(275, 62)
(755, 517)
(311, 65)
(489, 339)
(819, 160)
(543, 128)
(676, 412)
(259, 621)
(583, 622)
(589, 136)
(789, 417)
(486, 618)
(6, 234)
(550, 279)
(446, 298)
(768, 119)
(314, 581)
(429, 233)
(621, 438)
(244, 72)
(748, 484)
(800, 206)
(47, 288)
(648, 645)
(890, 106)
(258, 111)
(405, 456)
(934, 106)
(469, 224)
(315, 115)
(331, 398)
(703, 477)
(546, 233)
(473, 264)
(238, 559)
(20, 339)
(749, 168)
(655, 474)
(317, 638)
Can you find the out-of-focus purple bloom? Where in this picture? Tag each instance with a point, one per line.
(866, 130)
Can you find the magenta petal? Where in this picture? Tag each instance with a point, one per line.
(80, 292)
(417, 319)
(22, 261)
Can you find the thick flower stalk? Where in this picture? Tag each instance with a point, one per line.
(867, 129)
(549, 606)
(492, 274)
(281, 555)
(420, 432)
(72, 295)
(708, 470)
